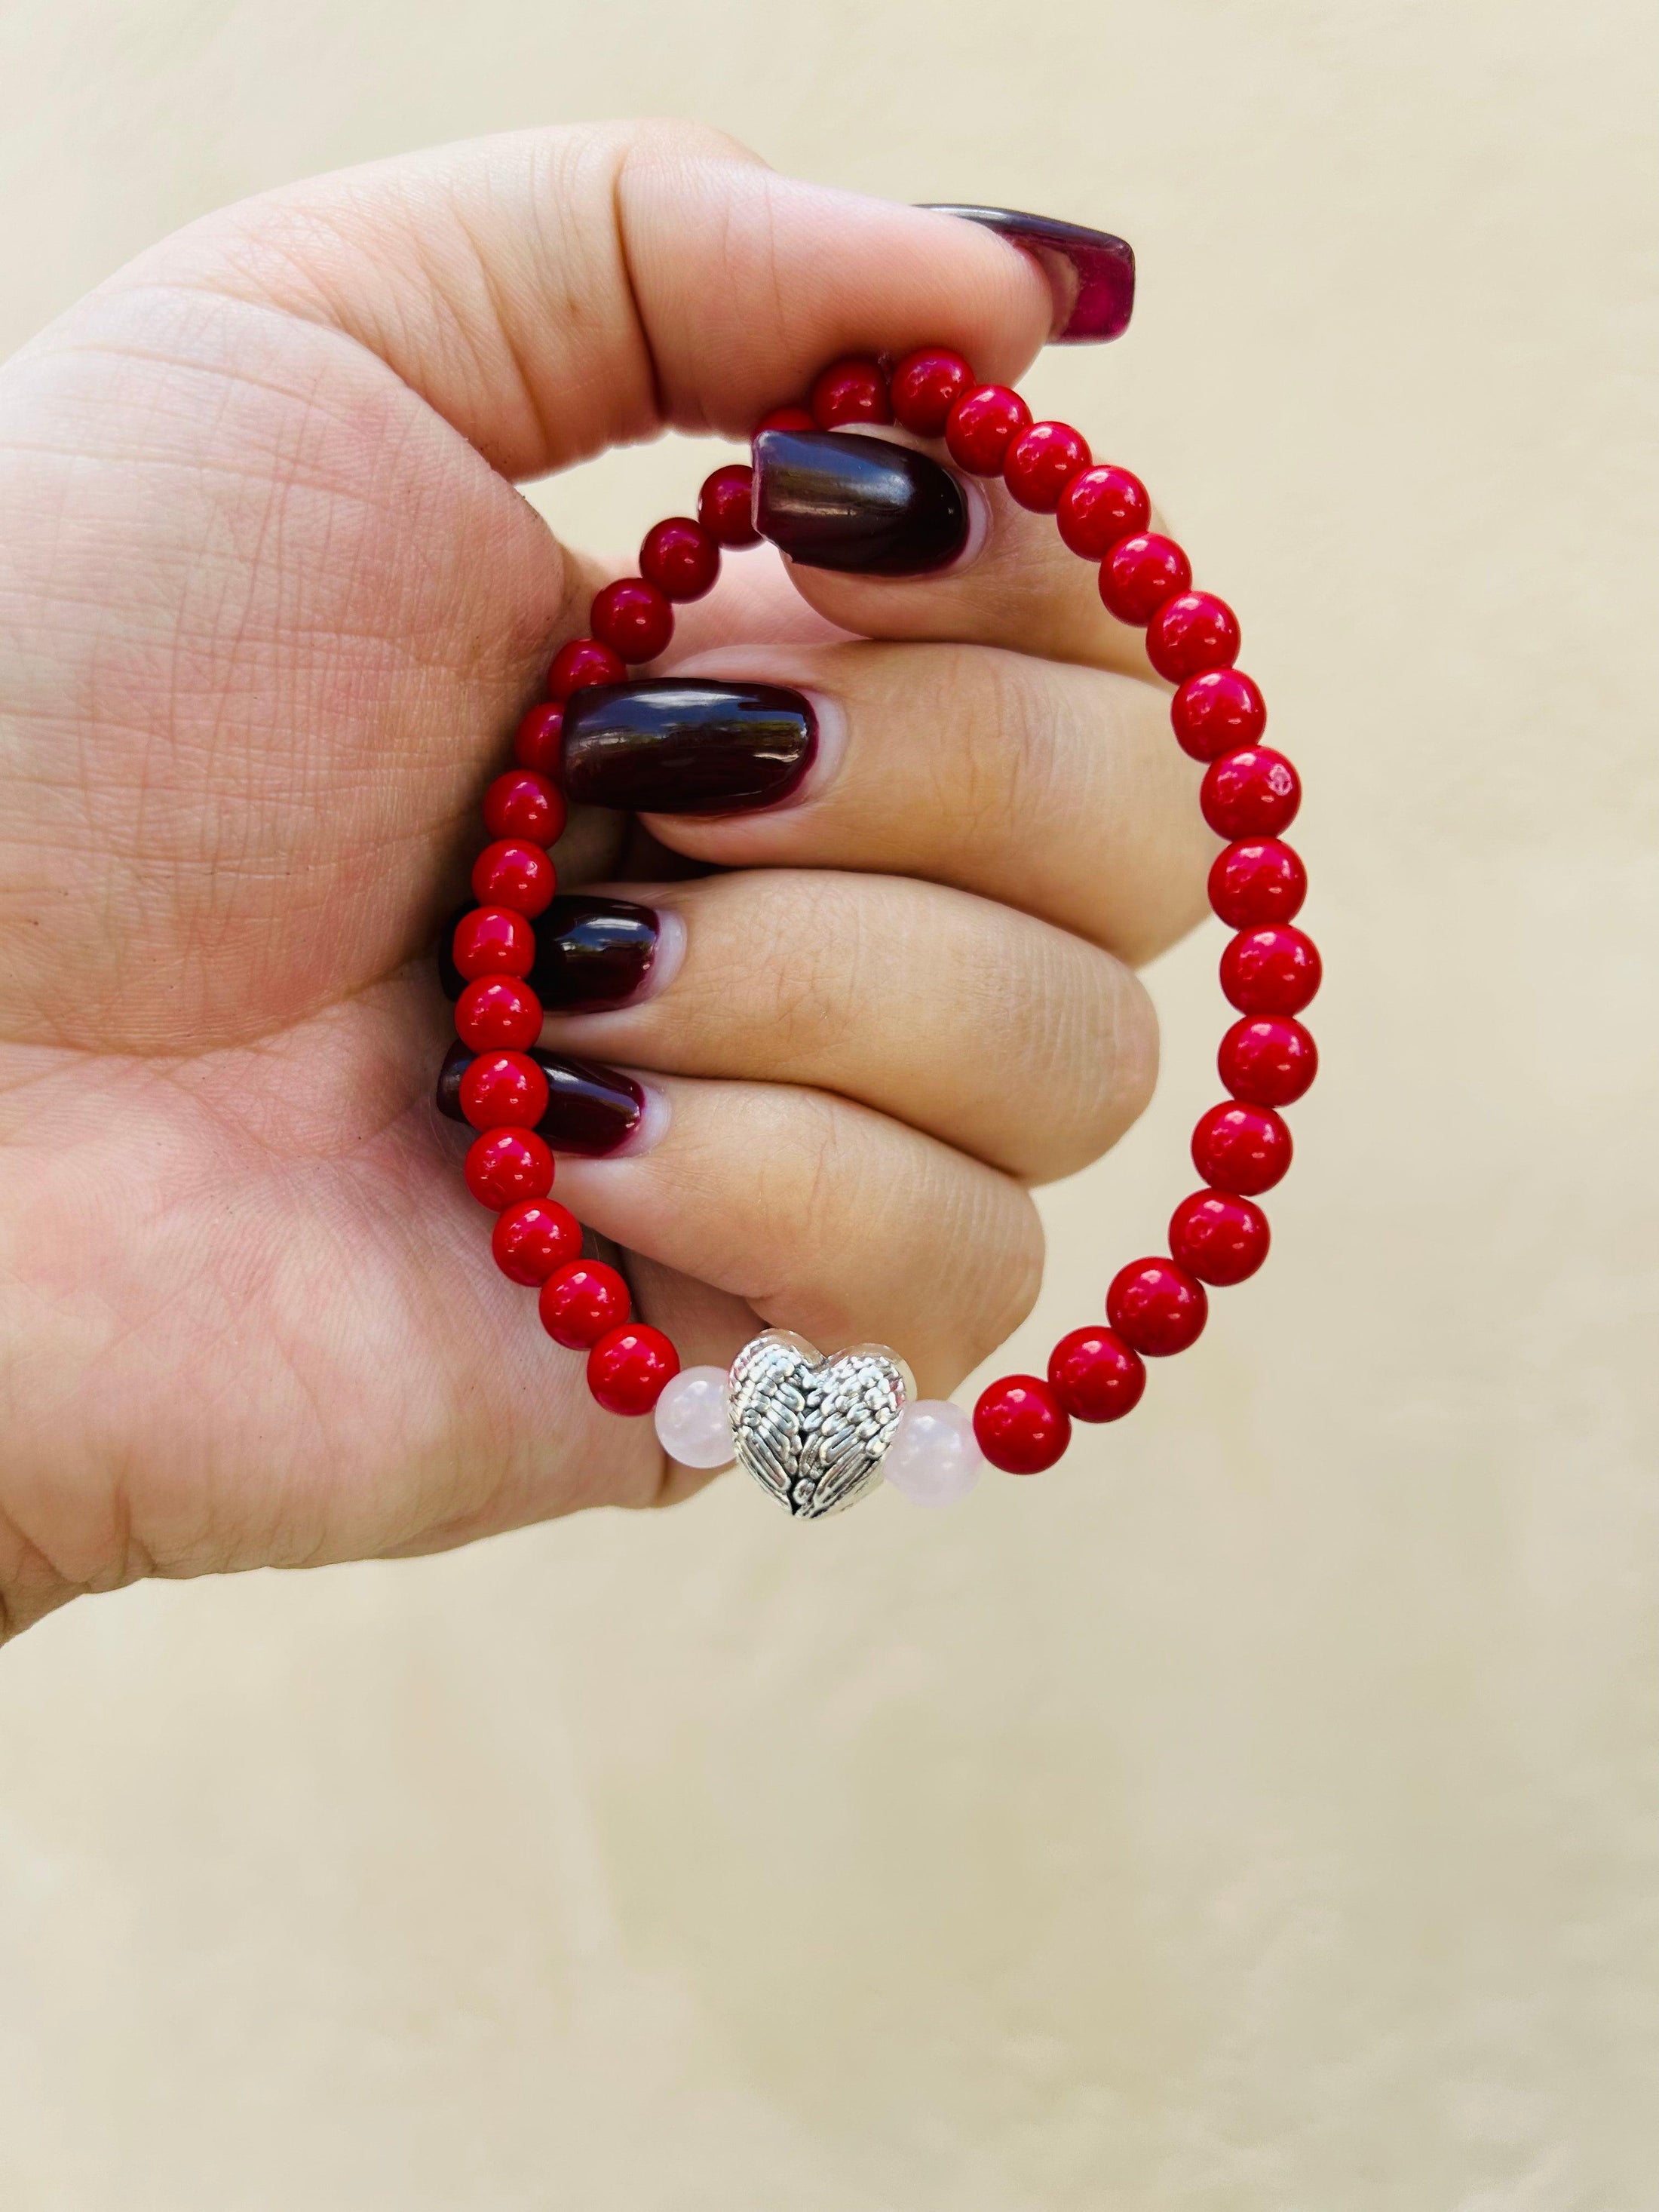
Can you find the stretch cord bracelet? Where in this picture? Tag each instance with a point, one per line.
(817, 1432)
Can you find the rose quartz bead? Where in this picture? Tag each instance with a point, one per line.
(690, 1418)
(934, 1458)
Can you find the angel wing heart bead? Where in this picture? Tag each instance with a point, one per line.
(813, 1430)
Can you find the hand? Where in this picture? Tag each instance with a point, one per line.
(272, 607)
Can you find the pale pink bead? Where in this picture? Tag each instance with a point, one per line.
(934, 1459)
(690, 1418)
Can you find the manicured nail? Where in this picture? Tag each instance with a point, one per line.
(1092, 274)
(674, 745)
(592, 952)
(591, 1110)
(834, 500)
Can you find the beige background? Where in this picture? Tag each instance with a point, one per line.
(1259, 1814)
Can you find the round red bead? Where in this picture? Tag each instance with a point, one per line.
(583, 662)
(514, 874)
(531, 1239)
(1157, 1307)
(850, 391)
(786, 418)
(1258, 880)
(1218, 713)
(1022, 1427)
(536, 741)
(724, 504)
(1253, 793)
(629, 1367)
(1269, 1060)
(1101, 506)
(524, 804)
(926, 385)
(583, 1301)
(633, 618)
(1096, 1375)
(498, 1013)
(503, 1090)
(680, 558)
(1270, 971)
(1042, 461)
(493, 940)
(1219, 1238)
(981, 425)
(1191, 632)
(1245, 1149)
(1141, 573)
(507, 1165)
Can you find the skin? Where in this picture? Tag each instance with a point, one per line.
(270, 604)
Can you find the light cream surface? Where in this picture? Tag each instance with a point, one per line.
(1258, 1814)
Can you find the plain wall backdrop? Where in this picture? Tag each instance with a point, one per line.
(1261, 1813)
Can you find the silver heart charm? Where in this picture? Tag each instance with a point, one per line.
(814, 1432)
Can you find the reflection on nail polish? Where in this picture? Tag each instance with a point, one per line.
(834, 500)
(592, 952)
(591, 1109)
(1092, 273)
(674, 745)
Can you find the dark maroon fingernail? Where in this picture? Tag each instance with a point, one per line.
(834, 500)
(1092, 273)
(672, 746)
(592, 952)
(591, 1109)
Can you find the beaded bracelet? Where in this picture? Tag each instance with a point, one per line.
(817, 1432)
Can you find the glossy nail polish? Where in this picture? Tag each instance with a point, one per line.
(591, 1109)
(865, 506)
(676, 745)
(1092, 273)
(592, 952)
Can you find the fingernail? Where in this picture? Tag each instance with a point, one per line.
(866, 505)
(592, 952)
(674, 746)
(591, 1110)
(1092, 273)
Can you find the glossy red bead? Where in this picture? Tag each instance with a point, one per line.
(1267, 1059)
(524, 804)
(1094, 1376)
(583, 662)
(629, 1367)
(498, 1013)
(926, 385)
(493, 940)
(1101, 506)
(1022, 1427)
(633, 617)
(582, 1302)
(1257, 880)
(1244, 1149)
(1270, 971)
(1157, 1307)
(1042, 461)
(506, 1166)
(536, 740)
(503, 1090)
(981, 425)
(724, 504)
(850, 391)
(513, 874)
(532, 1238)
(1141, 573)
(1191, 632)
(1219, 1237)
(1253, 793)
(680, 558)
(1217, 713)
(786, 418)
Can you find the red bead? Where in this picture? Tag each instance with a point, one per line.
(493, 940)
(514, 874)
(503, 1090)
(582, 662)
(786, 418)
(1269, 1061)
(583, 1301)
(524, 804)
(1191, 632)
(1141, 573)
(1157, 1307)
(629, 1367)
(926, 385)
(498, 1013)
(633, 618)
(531, 1239)
(1096, 1375)
(536, 742)
(1021, 1426)
(981, 425)
(1217, 713)
(1253, 793)
(1217, 1237)
(724, 504)
(680, 558)
(507, 1165)
(1270, 971)
(1245, 1149)
(1042, 461)
(1257, 880)
(850, 391)
(1099, 506)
